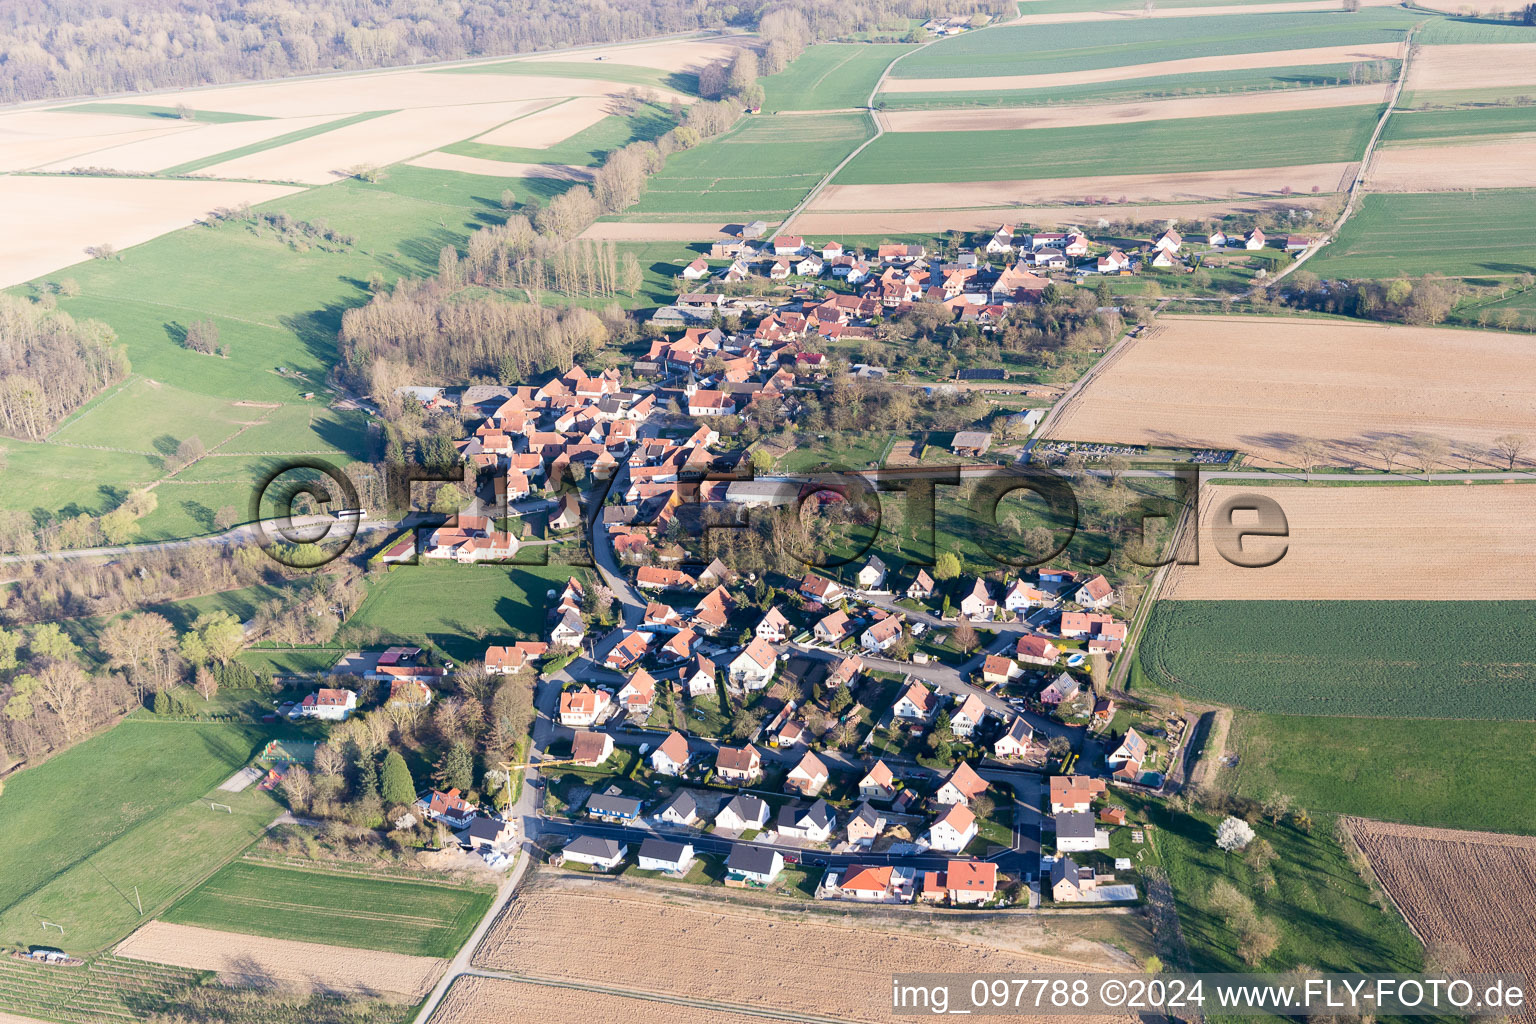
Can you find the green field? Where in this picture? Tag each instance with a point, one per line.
(764, 165)
(830, 76)
(587, 147)
(416, 918)
(410, 603)
(602, 71)
(1380, 659)
(1473, 30)
(162, 113)
(1450, 774)
(1413, 125)
(1044, 49)
(118, 811)
(1460, 234)
(1332, 135)
(1201, 83)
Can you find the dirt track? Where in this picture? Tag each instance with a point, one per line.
(1509, 163)
(1135, 188)
(1008, 118)
(1260, 384)
(1375, 543)
(1225, 62)
(253, 960)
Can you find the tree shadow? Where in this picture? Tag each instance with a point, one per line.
(177, 333)
(166, 444)
(201, 514)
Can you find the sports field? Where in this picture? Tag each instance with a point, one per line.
(118, 811)
(1488, 234)
(1375, 659)
(1276, 139)
(415, 918)
(1043, 49)
(830, 76)
(763, 166)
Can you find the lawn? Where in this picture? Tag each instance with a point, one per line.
(1324, 912)
(1203, 83)
(446, 604)
(764, 165)
(117, 811)
(1484, 234)
(1045, 49)
(415, 918)
(1422, 771)
(587, 147)
(830, 76)
(1330, 135)
(1415, 125)
(1379, 659)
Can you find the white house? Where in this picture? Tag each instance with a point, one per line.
(961, 786)
(916, 705)
(879, 783)
(811, 822)
(953, 831)
(603, 854)
(698, 677)
(774, 627)
(660, 855)
(754, 865)
(327, 705)
(697, 270)
(1169, 242)
(1255, 240)
(872, 575)
(883, 635)
(682, 809)
(1022, 596)
(1076, 831)
(582, 706)
(742, 813)
(978, 605)
(1095, 593)
(671, 755)
(809, 777)
(753, 668)
(1015, 742)
(967, 716)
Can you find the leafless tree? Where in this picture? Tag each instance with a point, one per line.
(1510, 447)
(1428, 452)
(1389, 447)
(1309, 451)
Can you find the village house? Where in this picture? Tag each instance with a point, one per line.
(1095, 594)
(753, 668)
(872, 574)
(697, 270)
(1069, 881)
(843, 672)
(970, 881)
(977, 605)
(1076, 832)
(807, 778)
(409, 693)
(883, 635)
(1114, 262)
(628, 650)
(997, 670)
(1255, 240)
(1061, 690)
(917, 704)
(583, 705)
(449, 808)
(921, 588)
(602, 854)
(750, 865)
(1132, 750)
(658, 854)
(833, 628)
(1168, 242)
(679, 645)
(651, 578)
(661, 618)
(1014, 743)
(967, 716)
(1021, 596)
(879, 783)
(820, 589)
(639, 693)
(953, 831)
(671, 755)
(1080, 624)
(960, 786)
(1074, 793)
(569, 631)
(742, 813)
(681, 809)
(509, 659)
(773, 628)
(591, 749)
(1036, 650)
(740, 766)
(485, 833)
(865, 826)
(811, 822)
(328, 705)
(859, 882)
(698, 677)
(614, 806)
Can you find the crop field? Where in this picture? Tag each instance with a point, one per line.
(1488, 234)
(1375, 659)
(765, 165)
(830, 76)
(1361, 543)
(1471, 66)
(1472, 890)
(472, 1000)
(583, 148)
(1261, 385)
(415, 918)
(107, 989)
(1086, 46)
(1414, 125)
(732, 957)
(138, 785)
(1424, 771)
(1275, 139)
(1455, 165)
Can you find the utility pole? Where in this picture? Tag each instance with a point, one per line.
(138, 901)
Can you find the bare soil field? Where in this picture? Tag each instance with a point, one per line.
(32, 138)
(474, 1000)
(1064, 17)
(11, 1018)
(912, 221)
(500, 168)
(553, 124)
(1135, 188)
(193, 143)
(252, 960)
(1474, 889)
(664, 55)
(1510, 163)
(381, 140)
(50, 221)
(1005, 118)
(735, 955)
(1392, 542)
(1262, 384)
(1472, 66)
(1227, 62)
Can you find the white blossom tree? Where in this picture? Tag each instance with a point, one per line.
(1233, 834)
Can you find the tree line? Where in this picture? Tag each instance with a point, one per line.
(51, 364)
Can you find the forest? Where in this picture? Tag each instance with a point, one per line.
(39, 346)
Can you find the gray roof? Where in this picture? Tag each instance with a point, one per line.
(593, 846)
(750, 859)
(1065, 867)
(485, 828)
(602, 803)
(1074, 825)
(660, 849)
(683, 803)
(745, 807)
(868, 814)
(817, 814)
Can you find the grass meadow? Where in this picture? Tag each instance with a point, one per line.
(1423, 771)
(1376, 659)
(117, 811)
(587, 147)
(1332, 135)
(415, 918)
(1418, 125)
(161, 113)
(1487, 234)
(1045, 49)
(830, 76)
(763, 166)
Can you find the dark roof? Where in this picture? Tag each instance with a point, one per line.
(746, 807)
(1065, 867)
(750, 859)
(660, 849)
(485, 828)
(602, 803)
(683, 803)
(983, 373)
(818, 814)
(1074, 825)
(593, 846)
